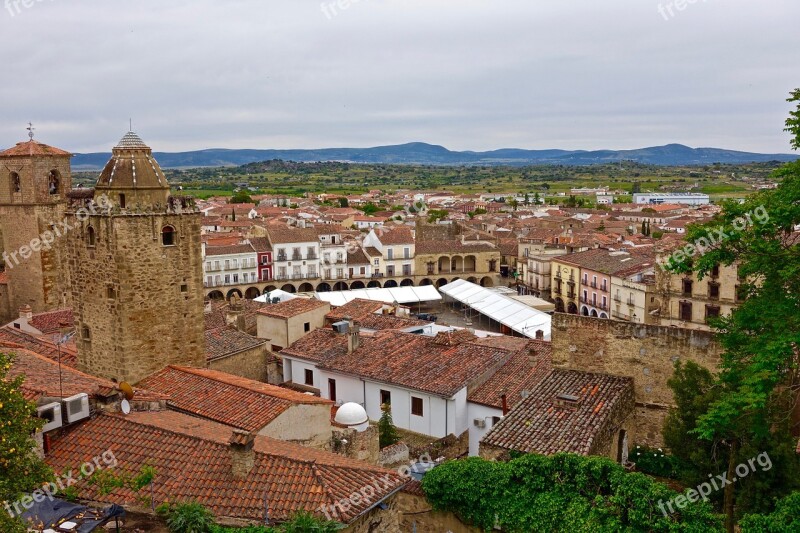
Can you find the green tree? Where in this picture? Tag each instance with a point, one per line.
(344, 202)
(241, 197)
(563, 492)
(21, 470)
(760, 361)
(793, 122)
(785, 518)
(387, 432)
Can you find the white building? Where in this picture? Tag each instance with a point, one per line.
(686, 198)
(424, 379)
(396, 245)
(296, 253)
(229, 265)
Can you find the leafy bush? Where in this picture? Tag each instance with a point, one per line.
(190, 517)
(655, 462)
(785, 518)
(387, 433)
(564, 492)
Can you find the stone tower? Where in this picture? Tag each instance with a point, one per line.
(136, 270)
(34, 180)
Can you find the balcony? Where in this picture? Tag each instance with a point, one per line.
(617, 298)
(297, 257)
(594, 284)
(584, 282)
(311, 257)
(570, 295)
(281, 257)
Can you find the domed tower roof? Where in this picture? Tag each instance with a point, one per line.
(132, 177)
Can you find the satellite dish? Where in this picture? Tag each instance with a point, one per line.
(125, 406)
(126, 389)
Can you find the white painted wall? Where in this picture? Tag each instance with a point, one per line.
(475, 433)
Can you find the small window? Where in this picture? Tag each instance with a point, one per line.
(111, 293)
(685, 310)
(712, 311)
(495, 420)
(122, 201)
(168, 236)
(715, 271)
(713, 291)
(309, 375)
(307, 327)
(184, 287)
(386, 397)
(15, 182)
(91, 237)
(687, 287)
(86, 334)
(276, 348)
(416, 406)
(54, 182)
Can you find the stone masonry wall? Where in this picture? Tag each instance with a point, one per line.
(644, 352)
(138, 304)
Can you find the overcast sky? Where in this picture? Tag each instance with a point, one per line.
(466, 74)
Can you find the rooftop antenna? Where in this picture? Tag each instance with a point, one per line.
(30, 129)
(130, 124)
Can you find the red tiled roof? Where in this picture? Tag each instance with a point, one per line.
(391, 235)
(217, 318)
(384, 322)
(32, 148)
(357, 308)
(192, 459)
(413, 361)
(529, 365)
(229, 250)
(293, 307)
(11, 337)
(43, 374)
(541, 423)
(53, 321)
(228, 340)
(225, 398)
(280, 234)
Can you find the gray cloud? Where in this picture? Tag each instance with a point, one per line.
(473, 74)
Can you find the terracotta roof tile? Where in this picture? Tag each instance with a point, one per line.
(53, 321)
(32, 148)
(235, 401)
(413, 361)
(357, 308)
(229, 250)
(542, 423)
(192, 460)
(14, 338)
(392, 235)
(529, 365)
(217, 318)
(293, 307)
(228, 340)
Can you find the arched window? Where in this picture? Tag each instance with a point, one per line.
(168, 236)
(15, 182)
(54, 182)
(91, 237)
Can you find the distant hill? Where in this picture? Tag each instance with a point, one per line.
(429, 154)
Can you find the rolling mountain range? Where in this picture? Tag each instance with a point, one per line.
(428, 154)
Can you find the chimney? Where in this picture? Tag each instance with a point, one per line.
(235, 316)
(242, 454)
(504, 399)
(533, 357)
(26, 312)
(353, 336)
(539, 335)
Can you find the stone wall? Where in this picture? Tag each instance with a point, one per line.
(378, 519)
(138, 304)
(308, 425)
(646, 353)
(417, 515)
(363, 446)
(251, 364)
(35, 274)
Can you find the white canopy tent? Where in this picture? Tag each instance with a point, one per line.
(519, 317)
(401, 295)
(277, 293)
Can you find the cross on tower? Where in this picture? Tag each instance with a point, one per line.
(30, 129)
